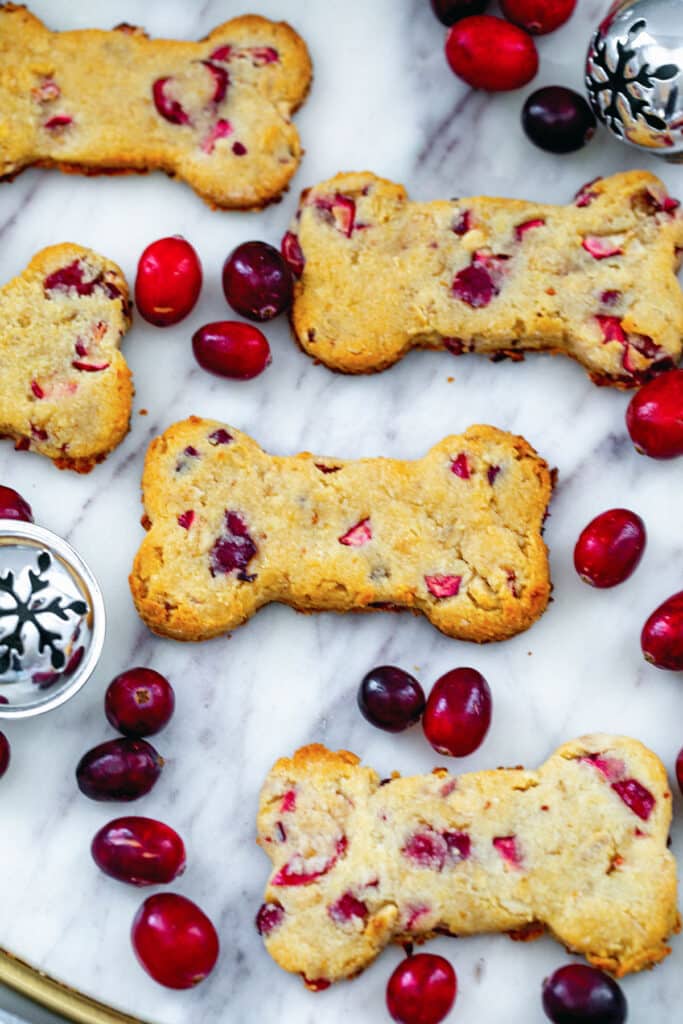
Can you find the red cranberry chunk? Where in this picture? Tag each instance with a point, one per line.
(584, 197)
(461, 467)
(463, 223)
(458, 712)
(441, 586)
(221, 130)
(610, 547)
(455, 346)
(579, 994)
(288, 802)
(341, 211)
(475, 286)
(458, 843)
(293, 254)
(636, 797)
(601, 248)
(139, 851)
(662, 636)
(220, 78)
(239, 149)
(79, 364)
(297, 872)
(528, 225)
(421, 990)
(170, 109)
(174, 941)
(13, 506)
(346, 908)
(37, 390)
(139, 702)
(611, 329)
(427, 849)
(233, 551)
(66, 278)
(358, 535)
(508, 848)
(610, 297)
(58, 122)
(220, 436)
(611, 767)
(186, 519)
(270, 916)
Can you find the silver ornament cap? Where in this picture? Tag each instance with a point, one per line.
(634, 74)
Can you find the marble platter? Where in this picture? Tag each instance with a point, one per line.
(383, 98)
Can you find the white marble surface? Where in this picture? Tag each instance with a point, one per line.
(383, 98)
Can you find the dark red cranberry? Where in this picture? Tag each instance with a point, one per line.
(458, 712)
(662, 636)
(257, 281)
(234, 549)
(170, 109)
(391, 698)
(610, 547)
(538, 16)
(293, 254)
(174, 941)
(5, 752)
(119, 770)
(558, 120)
(168, 281)
(421, 990)
(270, 916)
(578, 994)
(13, 506)
(679, 769)
(140, 851)
(489, 53)
(654, 417)
(231, 349)
(450, 11)
(139, 702)
(3, 700)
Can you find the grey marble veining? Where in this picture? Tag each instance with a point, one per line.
(383, 98)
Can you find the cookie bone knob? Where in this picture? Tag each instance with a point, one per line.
(634, 74)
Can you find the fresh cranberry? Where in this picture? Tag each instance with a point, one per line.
(5, 752)
(168, 281)
(119, 770)
(140, 851)
(450, 11)
(458, 712)
(174, 941)
(231, 349)
(139, 702)
(257, 281)
(13, 506)
(538, 16)
(654, 417)
(558, 120)
(610, 547)
(578, 994)
(421, 990)
(489, 53)
(662, 636)
(679, 769)
(391, 698)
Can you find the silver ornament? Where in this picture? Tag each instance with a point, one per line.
(634, 74)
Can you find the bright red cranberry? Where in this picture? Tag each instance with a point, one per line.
(558, 120)
(610, 547)
(168, 281)
(450, 11)
(119, 770)
(257, 281)
(231, 349)
(421, 990)
(538, 16)
(140, 851)
(169, 108)
(391, 698)
(662, 636)
(458, 712)
(5, 753)
(578, 994)
(471, 43)
(654, 417)
(174, 941)
(13, 506)
(636, 797)
(139, 702)
(679, 769)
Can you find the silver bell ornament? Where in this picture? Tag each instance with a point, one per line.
(634, 74)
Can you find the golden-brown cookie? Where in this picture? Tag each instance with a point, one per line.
(578, 847)
(66, 390)
(215, 113)
(455, 535)
(595, 280)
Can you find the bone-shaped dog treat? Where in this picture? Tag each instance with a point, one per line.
(578, 847)
(65, 390)
(215, 113)
(455, 535)
(596, 280)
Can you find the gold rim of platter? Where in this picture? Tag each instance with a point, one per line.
(54, 995)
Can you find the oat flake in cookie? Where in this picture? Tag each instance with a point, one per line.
(455, 535)
(216, 113)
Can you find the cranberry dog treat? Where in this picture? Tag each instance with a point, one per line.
(214, 113)
(66, 390)
(455, 535)
(578, 847)
(379, 275)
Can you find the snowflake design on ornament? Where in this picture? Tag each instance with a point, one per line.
(619, 91)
